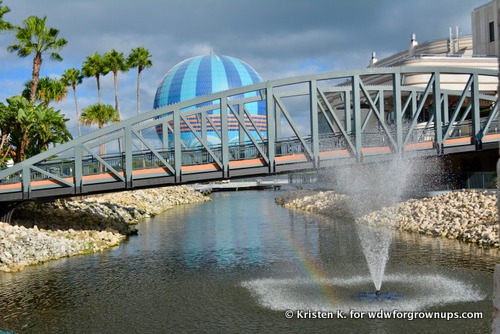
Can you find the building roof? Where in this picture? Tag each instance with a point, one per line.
(203, 75)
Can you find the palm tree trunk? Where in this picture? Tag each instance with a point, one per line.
(99, 97)
(117, 104)
(20, 152)
(37, 63)
(76, 110)
(138, 91)
(102, 150)
(139, 108)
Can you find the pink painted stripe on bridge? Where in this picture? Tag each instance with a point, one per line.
(414, 146)
(383, 149)
(334, 153)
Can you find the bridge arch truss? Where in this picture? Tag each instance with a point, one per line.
(311, 121)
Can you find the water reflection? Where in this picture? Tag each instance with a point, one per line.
(444, 252)
(218, 266)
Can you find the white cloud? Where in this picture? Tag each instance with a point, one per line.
(191, 50)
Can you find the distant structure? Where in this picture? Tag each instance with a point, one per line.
(477, 50)
(454, 51)
(204, 75)
(485, 29)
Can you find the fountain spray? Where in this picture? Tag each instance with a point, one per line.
(375, 186)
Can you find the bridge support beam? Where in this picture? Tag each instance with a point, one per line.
(314, 122)
(271, 135)
(224, 131)
(177, 145)
(438, 114)
(26, 177)
(347, 112)
(128, 157)
(476, 116)
(356, 102)
(396, 82)
(78, 169)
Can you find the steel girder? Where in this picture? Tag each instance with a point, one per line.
(331, 116)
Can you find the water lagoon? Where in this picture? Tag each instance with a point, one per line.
(241, 264)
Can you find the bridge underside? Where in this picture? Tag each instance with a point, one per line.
(310, 122)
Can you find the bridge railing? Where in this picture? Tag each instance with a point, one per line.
(196, 156)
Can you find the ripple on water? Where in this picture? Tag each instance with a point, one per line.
(414, 293)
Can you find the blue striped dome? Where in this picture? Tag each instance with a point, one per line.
(203, 75)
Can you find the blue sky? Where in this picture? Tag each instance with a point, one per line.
(279, 38)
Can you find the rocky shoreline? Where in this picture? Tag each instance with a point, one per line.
(466, 215)
(82, 225)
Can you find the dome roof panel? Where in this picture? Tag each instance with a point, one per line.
(203, 75)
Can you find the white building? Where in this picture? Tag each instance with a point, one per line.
(478, 50)
(485, 29)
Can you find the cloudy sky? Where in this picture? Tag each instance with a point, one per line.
(279, 38)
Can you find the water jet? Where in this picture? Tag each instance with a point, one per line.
(373, 187)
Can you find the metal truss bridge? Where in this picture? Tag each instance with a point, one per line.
(311, 122)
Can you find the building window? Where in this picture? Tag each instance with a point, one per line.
(492, 31)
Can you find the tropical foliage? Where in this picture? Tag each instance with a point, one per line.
(28, 125)
(115, 62)
(48, 90)
(95, 66)
(29, 129)
(5, 147)
(140, 58)
(100, 115)
(35, 38)
(73, 77)
(4, 25)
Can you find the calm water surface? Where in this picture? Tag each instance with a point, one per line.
(234, 265)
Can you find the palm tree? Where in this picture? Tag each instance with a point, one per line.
(48, 90)
(4, 25)
(94, 66)
(50, 128)
(139, 57)
(115, 62)
(35, 38)
(6, 123)
(22, 122)
(99, 114)
(34, 128)
(73, 77)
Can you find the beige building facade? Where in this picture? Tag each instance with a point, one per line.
(485, 29)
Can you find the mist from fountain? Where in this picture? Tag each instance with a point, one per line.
(371, 187)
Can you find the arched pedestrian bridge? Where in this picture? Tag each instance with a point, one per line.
(311, 122)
